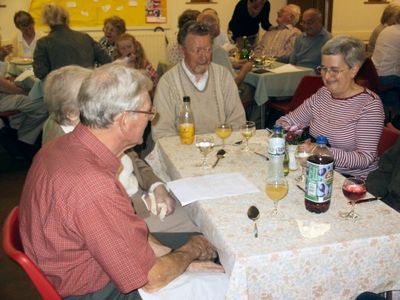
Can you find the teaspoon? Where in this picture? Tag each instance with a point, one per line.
(220, 154)
(253, 213)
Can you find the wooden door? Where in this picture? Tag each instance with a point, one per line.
(325, 6)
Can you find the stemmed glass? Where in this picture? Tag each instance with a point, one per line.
(301, 155)
(353, 189)
(276, 189)
(247, 130)
(223, 131)
(205, 145)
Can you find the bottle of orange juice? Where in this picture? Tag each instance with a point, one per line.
(186, 122)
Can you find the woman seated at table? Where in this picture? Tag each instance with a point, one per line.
(129, 47)
(349, 115)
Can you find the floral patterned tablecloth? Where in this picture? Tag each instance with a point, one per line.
(349, 258)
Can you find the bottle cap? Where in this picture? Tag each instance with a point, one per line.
(277, 128)
(321, 140)
(186, 99)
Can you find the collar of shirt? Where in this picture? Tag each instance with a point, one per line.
(201, 84)
(87, 138)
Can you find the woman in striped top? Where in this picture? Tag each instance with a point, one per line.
(349, 115)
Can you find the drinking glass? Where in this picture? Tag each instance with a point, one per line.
(223, 131)
(247, 130)
(353, 189)
(205, 144)
(276, 189)
(301, 156)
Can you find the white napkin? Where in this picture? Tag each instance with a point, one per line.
(310, 229)
(193, 286)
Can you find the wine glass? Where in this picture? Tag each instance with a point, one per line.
(205, 145)
(223, 131)
(301, 155)
(353, 189)
(247, 130)
(276, 189)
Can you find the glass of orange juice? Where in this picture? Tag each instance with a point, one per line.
(276, 189)
(223, 131)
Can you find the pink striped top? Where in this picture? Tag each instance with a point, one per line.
(353, 127)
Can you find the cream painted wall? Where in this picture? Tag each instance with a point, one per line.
(175, 8)
(356, 18)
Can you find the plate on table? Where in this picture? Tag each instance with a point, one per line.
(21, 61)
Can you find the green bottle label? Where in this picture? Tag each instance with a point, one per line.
(319, 182)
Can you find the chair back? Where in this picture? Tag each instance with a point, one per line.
(12, 246)
(308, 86)
(368, 77)
(388, 139)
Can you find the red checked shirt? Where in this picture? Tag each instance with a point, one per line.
(76, 220)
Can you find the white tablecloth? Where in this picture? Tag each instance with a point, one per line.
(351, 257)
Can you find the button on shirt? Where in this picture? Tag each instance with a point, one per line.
(76, 220)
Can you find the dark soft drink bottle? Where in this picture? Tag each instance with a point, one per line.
(319, 178)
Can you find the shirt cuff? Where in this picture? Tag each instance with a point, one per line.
(156, 184)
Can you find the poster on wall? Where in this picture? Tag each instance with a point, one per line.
(91, 13)
(155, 11)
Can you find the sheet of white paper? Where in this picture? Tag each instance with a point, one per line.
(285, 69)
(192, 189)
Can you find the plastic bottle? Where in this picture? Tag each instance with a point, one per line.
(276, 152)
(244, 52)
(286, 163)
(186, 122)
(319, 178)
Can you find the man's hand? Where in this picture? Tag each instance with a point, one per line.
(205, 266)
(163, 196)
(200, 248)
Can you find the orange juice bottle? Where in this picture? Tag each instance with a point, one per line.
(186, 123)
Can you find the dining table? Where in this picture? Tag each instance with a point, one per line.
(276, 80)
(297, 254)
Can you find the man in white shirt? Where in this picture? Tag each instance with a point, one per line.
(211, 88)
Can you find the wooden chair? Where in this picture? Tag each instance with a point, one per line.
(388, 139)
(12, 246)
(307, 87)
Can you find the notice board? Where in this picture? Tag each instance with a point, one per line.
(90, 14)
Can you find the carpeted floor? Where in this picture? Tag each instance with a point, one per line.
(14, 284)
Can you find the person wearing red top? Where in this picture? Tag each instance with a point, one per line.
(76, 220)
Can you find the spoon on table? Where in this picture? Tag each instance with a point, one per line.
(253, 213)
(220, 154)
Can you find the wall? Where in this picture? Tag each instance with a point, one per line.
(351, 17)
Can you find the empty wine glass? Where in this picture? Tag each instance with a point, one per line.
(247, 130)
(276, 189)
(353, 189)
(301, 155)
(223, 131)
(205, 144)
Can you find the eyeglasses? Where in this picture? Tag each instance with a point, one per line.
(151, 114)
(331, 71)
(308, 22)
(198, 51)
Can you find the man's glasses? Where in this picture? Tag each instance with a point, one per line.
(331, 71)
(151, 114)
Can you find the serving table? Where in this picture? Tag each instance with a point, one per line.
(340, 262)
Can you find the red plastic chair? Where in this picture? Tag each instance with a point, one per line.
(13, 248)
(306, 88)
(388, 139)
